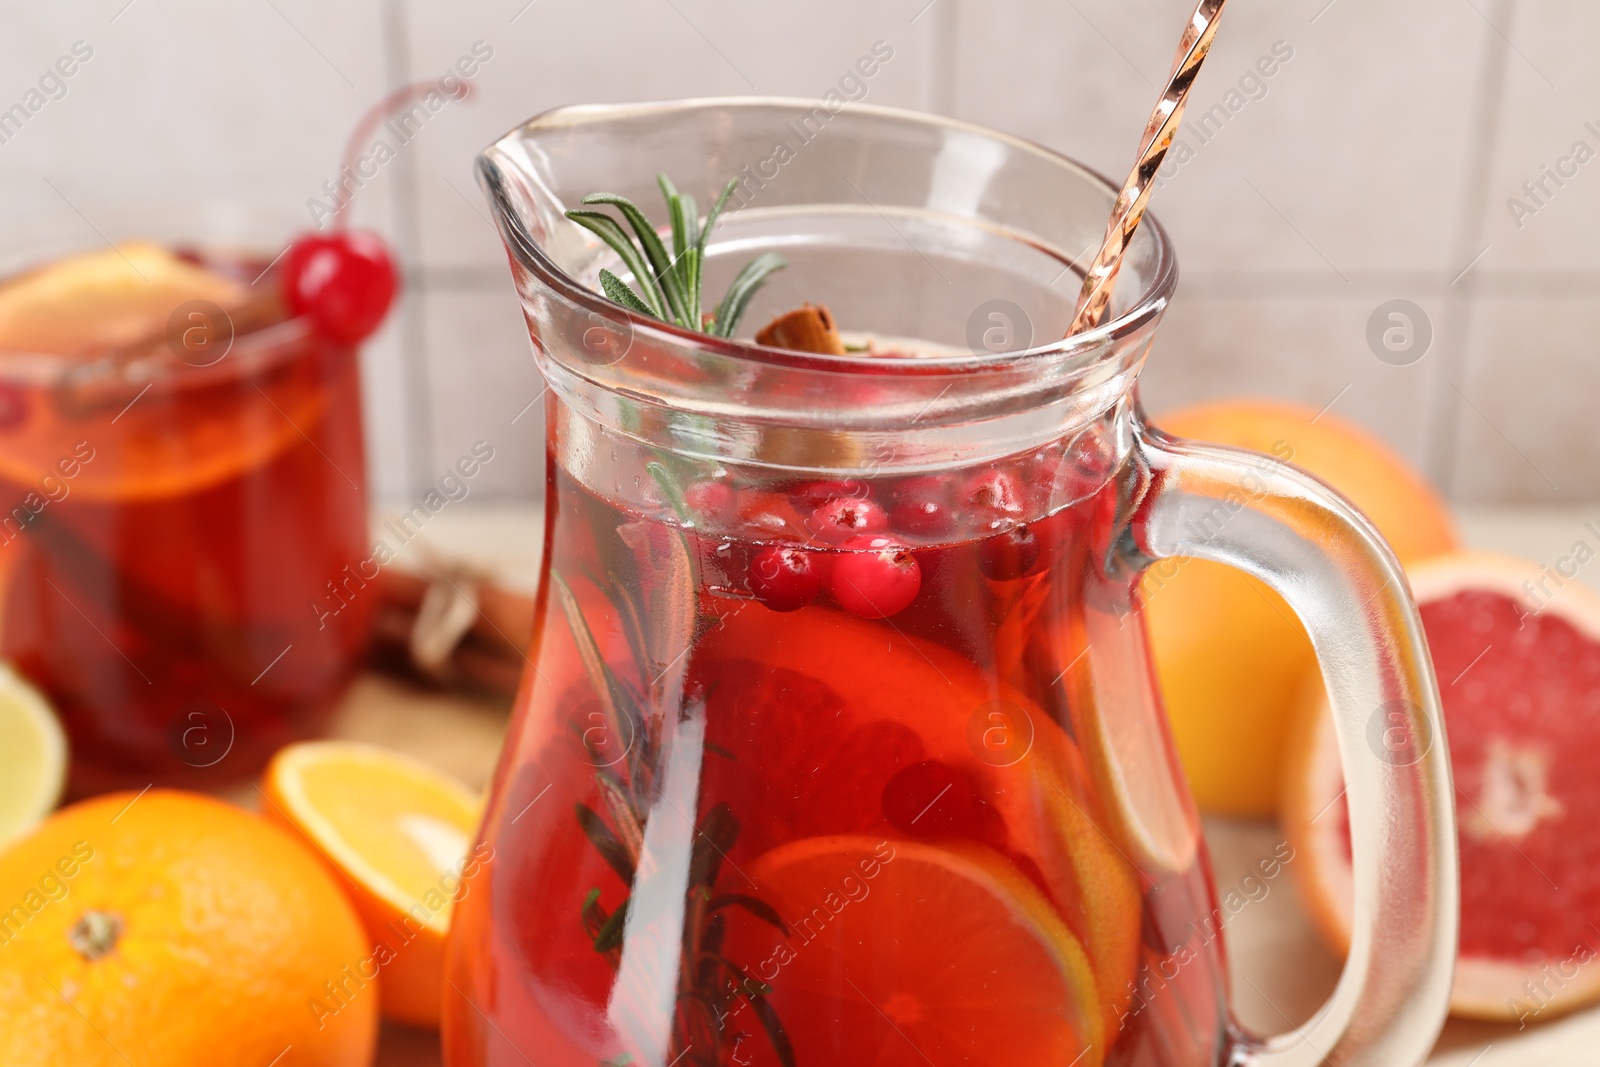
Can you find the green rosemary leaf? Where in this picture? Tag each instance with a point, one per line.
(623, 594)
(629, 831)
(670, 490)
(715, 213)
(700, 1030)
(716, 929)
(605, 842)
(775, 1031)
(594, 915)
(744, 286)
(685, 246)
(669, 193)
(691, 270)
(654, 250)
(739, 984)
(619, 291)
(691, 223)
(610, 935)
(718, 750)
(614, 700)
(671, 287)
(757, 988)
(605, 227)
(754, 905)
(717, 834)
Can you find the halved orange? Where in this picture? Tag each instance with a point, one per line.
(907, 953)
(398, 833)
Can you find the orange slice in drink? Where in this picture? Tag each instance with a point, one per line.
(906, 953)
(1057, 822)
(150, 429)
(102, 299)
(821, 710)
(1116, 716)
(398, 833)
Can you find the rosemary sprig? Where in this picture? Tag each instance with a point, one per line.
(669, 285)
(711, 986)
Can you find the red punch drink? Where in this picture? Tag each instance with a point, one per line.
(862, 707)
(182, 493)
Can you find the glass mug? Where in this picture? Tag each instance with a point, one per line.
(174, 516)
(774, 795)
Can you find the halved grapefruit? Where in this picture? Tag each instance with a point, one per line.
(910, 953)
(1517, 651)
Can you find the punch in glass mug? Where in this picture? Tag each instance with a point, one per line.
(174, 511)
(774, 797)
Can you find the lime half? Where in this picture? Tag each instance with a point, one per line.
(33, 756)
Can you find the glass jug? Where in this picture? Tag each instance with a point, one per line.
(839, 741)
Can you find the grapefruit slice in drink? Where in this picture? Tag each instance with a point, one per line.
(1517, 652)
(906, 953)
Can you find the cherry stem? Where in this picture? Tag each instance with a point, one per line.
(379, 113)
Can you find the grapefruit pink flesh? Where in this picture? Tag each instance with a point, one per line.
(1518, 664)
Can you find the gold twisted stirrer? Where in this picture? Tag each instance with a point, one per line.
(1131, 202)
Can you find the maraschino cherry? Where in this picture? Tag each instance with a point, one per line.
(345, 280)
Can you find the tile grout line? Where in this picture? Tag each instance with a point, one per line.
(1200, 283)
(416, 405)
(942, 93)
(1444, 415)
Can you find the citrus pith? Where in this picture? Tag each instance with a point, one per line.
(1517, 652)
(398, 833)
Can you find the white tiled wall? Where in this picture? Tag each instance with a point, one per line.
(1374, 163)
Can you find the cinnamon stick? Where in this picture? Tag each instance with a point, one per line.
(808, 328)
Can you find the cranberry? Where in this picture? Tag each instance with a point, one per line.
(812, 495)
(993, 498)
(922, 507)
(710, 499)
(344, 281)
(844, 517)
(933, 800)
(875, 577)
(1009, 555)
(785, 579)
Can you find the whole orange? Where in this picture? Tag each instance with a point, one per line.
(1231, 657)
(168, 929)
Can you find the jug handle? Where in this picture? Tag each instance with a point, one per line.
(1314, 549)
